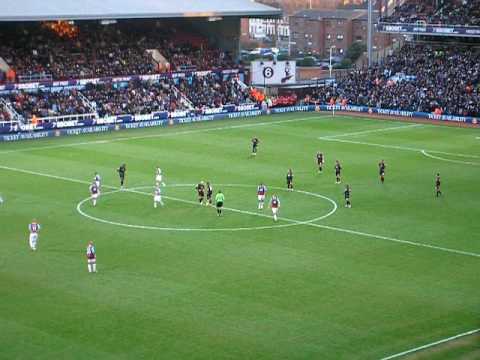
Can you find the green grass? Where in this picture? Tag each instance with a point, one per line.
(292, 292)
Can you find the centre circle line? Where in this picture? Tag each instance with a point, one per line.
(135, 190)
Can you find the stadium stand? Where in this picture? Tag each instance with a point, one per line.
(456, 12)
(4, 116)
(425, 78)
(62, 51)
(211, 92)
(135, 97)
(46, 104)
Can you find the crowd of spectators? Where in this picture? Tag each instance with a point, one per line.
(210, 91)
(93, 50)
(4, 115)
(417, 78)
(448, 12)
(133, 98)
(45, 103)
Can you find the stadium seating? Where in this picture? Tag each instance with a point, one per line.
(4, 116)
(417, 78)
(41, 52)
(211, 92)
(135, 97)
(457, 12)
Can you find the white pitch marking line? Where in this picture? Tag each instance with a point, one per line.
(448, 160)
(439, 342)
(163, 134)
(406, 242)
(398, 147)
(391, 128)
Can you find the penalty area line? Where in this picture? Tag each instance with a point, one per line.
(449, 160)
(382, 129)
(426, 346)
(399, 147)
(353, 232)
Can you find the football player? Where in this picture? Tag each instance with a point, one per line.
(200, 191)
(209, 193)
(381, 170)
(255, 143)
(34, 228)
(159, 177)
(94, 193)
(121, 172)
(275, 206)
(338, 172)
(91, 258)
(320, 161)
(157, 197)
(438, 192)
(261, 193)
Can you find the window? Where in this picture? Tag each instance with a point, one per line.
(329, 36)
(340, 37)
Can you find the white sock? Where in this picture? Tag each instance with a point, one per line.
(89, 268)
(275, 217)
(155, 204)
(94, 266)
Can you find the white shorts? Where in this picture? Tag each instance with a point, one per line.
(261, 197)
(274, 211)
(91, 261)
(95, 196)
(158, 178)
(33, 238)
(157, 198)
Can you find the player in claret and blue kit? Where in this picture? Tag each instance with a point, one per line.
(91, 258)
(261, 193)
(34, 228)
(157, 197)
(94, 193)
(275, 206)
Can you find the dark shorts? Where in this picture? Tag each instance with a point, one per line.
(219, 204)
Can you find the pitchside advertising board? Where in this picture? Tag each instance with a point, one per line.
(273, 72)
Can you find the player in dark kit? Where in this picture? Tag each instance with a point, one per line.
(255, 143)
(381, 171)
(437, 185)
(200, 191)
(121, 172)
(290, 179)
(320, 161)
(209, 193)
(347, 194)
(338, 171)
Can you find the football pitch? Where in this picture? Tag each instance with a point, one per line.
(397, 271)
